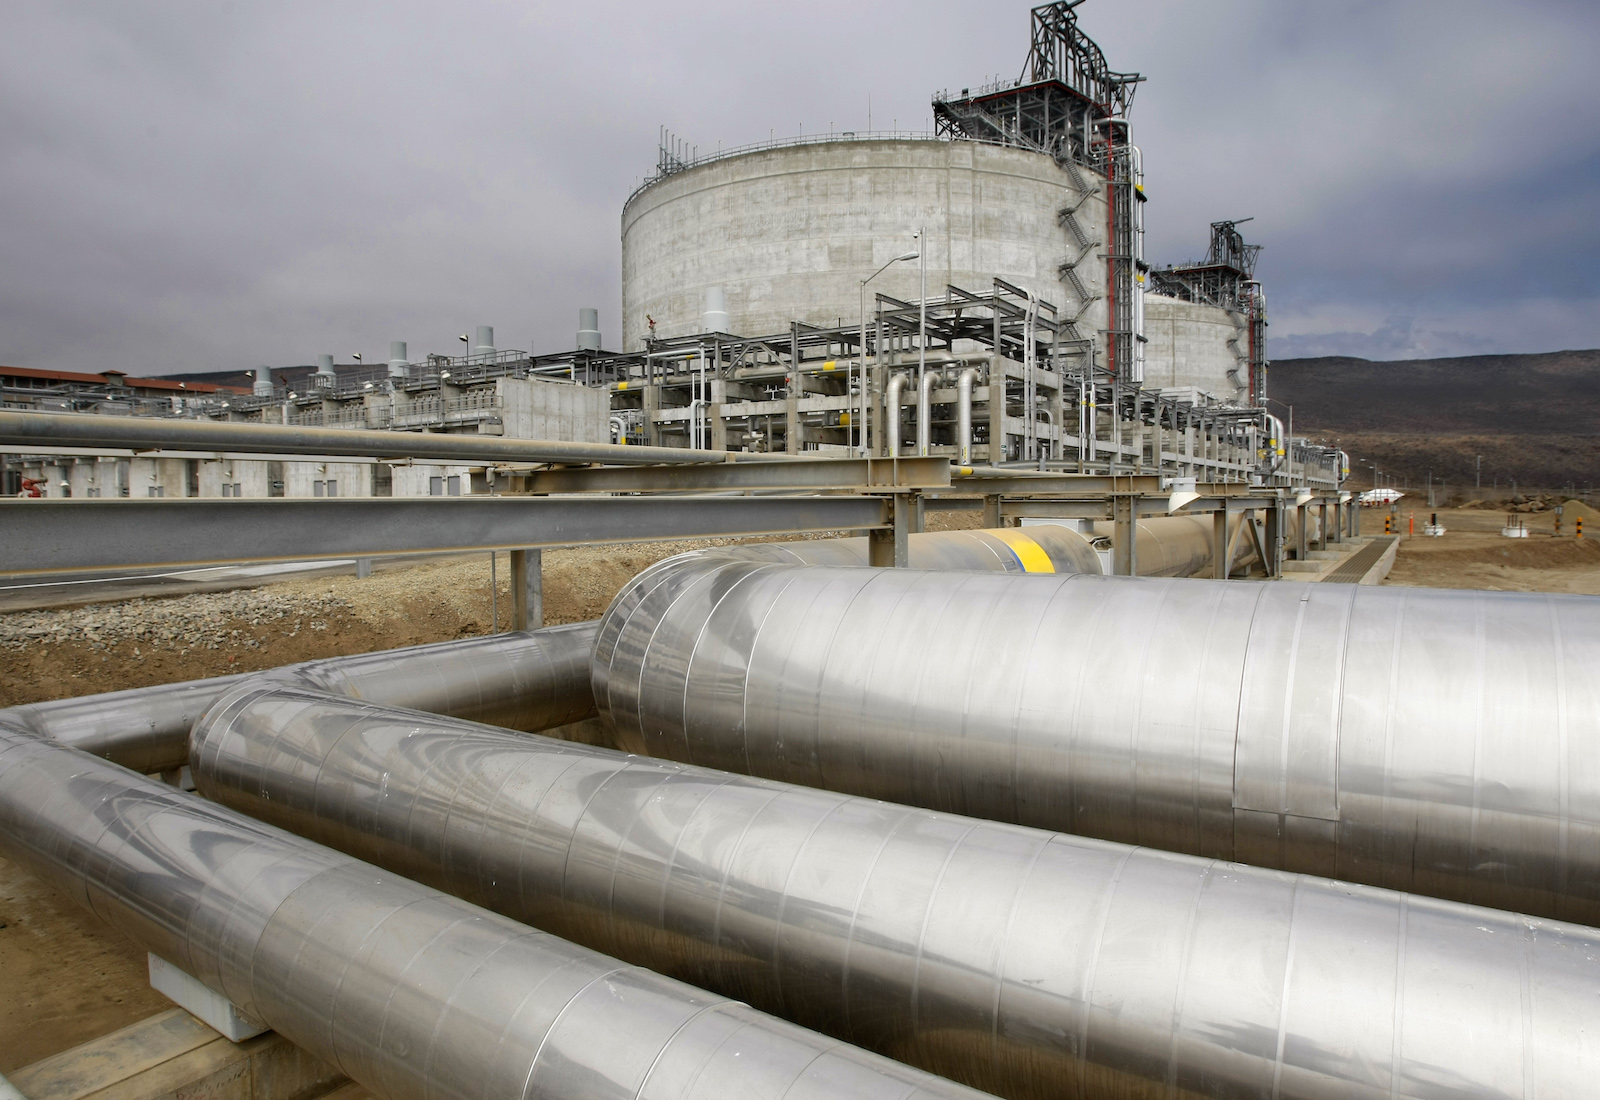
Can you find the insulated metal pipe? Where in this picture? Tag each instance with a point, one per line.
(413, 994)
(1027, 963)
(891, 400)
(1434, 741)
(1170, 546)
(145, 433)
(925, 383)
(1045, 548)
(964, 414)
(534, 680)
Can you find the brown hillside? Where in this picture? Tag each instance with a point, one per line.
(1535, 419)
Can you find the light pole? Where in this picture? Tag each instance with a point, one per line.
(862, 347)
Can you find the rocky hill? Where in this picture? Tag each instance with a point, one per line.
(1534, 419)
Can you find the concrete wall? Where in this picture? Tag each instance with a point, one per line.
(1188, 346)
(534, 409)
(168, 477)
(248, 476)
(95, 478)
(417, 480)
(790, 232)
(354, 478)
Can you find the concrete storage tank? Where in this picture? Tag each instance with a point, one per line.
(1194, 344)
(789, 231)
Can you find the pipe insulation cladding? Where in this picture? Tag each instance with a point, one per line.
(533, 680)
(413, 994)
(1027, 963)
(1431, 741)
(1047, 548)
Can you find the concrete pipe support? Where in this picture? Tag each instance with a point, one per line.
(414, 994)
(1028, 963)
(1439, 742)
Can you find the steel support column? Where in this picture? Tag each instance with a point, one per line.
(891, 546)
(527, 589)
(1125, 539)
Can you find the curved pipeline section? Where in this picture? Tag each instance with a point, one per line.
(1046, 548)
(529, 681)
(413, 994)
(1434, 741)
(1027, 963)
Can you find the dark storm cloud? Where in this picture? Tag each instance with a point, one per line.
(197, 186)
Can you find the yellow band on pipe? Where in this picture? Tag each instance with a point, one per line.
(1029, 553)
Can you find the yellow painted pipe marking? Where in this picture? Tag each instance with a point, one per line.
(1029, 553)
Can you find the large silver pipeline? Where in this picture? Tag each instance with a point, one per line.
(414, 994)
(1170, 546)
(1027, 963)
(1435, 741)
(1046, 548)
(529, 681)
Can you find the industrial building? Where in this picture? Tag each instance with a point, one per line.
(1142, 788)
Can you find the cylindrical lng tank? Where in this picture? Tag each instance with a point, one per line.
(1027, 963)
(789, 232)
(414, 994)
(1189, 346)
(1427, 740)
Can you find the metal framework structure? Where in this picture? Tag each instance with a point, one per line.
(1065, 88)
(1226, 279)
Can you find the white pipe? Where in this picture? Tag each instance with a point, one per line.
(891, 401)
(925, 383)
(964, 414)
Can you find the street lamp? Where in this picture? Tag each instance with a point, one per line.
(466, 352)
(862, 346)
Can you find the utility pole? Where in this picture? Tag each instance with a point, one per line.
(1479, 483)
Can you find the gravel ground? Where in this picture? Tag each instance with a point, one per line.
(209, 620)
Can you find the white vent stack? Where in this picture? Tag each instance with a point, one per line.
(263, 382)
(715, 316)
(399, 366)
(324, 379)
(485, 344)
(588, 329)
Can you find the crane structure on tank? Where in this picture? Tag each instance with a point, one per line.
(1069, 103)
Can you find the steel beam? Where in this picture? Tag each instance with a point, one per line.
(142, 433)
(812, 473)
(68, 536)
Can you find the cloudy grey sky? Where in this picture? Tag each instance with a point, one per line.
(214, 185)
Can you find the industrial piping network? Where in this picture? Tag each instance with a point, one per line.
(1026, 963)
(414, 994)
(1432, 741)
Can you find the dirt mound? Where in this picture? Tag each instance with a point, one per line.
(1574, 509)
